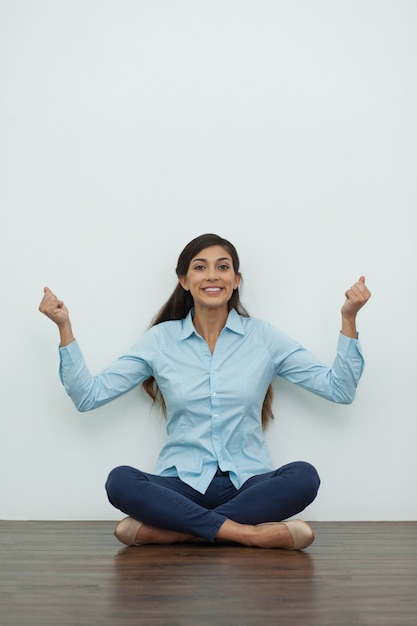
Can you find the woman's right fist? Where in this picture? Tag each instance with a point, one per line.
(53, 308)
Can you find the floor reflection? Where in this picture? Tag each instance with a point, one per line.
(199, 579)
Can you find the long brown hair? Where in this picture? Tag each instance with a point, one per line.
(180, 303)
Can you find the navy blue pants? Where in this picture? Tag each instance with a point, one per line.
(169, 503)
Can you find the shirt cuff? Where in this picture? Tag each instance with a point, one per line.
(70, 354)
(349, 346)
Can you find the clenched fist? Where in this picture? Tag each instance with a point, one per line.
(56, 310)
(356, 297)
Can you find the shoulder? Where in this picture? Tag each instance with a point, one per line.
(272, 337)
(256, 325)
(171, 329)
(252, 328)
(167, 326)
(157, 336)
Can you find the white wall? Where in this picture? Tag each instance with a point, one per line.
(129, 127)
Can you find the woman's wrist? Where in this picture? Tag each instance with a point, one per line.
(66, 335)
(349, 327)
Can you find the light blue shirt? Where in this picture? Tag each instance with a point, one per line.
(214, 401)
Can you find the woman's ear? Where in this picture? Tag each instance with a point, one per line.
(238, 278)
(183, 282)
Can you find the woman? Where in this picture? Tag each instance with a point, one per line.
(211, 366)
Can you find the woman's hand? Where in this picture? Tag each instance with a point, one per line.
(57, 312)
(356, 297)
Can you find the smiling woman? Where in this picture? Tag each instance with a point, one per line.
(212, 366)
(211, 280)
(182, 301)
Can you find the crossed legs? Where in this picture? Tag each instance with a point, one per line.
(170, 511)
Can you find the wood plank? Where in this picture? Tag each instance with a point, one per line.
(76, 573)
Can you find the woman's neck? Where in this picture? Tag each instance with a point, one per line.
(209, 324)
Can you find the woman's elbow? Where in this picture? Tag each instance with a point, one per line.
(82, 404)
(82, 408)
(345, 397)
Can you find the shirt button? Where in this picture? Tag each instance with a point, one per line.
(214, 394)
(215, 415)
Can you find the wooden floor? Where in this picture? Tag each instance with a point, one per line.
(76, 574)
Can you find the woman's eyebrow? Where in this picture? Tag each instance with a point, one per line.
(222, 258)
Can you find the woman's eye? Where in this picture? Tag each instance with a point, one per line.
(224, 267)
(199, 267)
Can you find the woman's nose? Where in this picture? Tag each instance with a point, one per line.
(212, 273)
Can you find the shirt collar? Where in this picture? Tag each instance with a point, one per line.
(234, 323)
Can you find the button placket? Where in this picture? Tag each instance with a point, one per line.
(215, 411)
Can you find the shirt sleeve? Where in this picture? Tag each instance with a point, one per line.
(337, 383)
(89, 392)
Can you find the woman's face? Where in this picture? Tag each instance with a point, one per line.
(211, 278)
